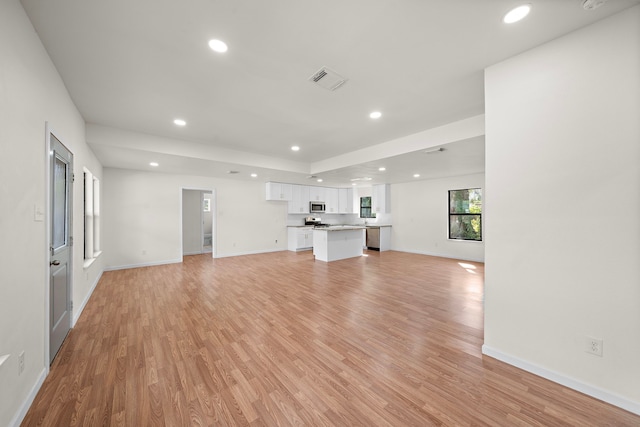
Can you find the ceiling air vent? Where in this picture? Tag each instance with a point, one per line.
(327, 78)
(592, 4)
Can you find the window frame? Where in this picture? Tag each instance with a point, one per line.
(91, 214)
(372, 214)
(467, 214)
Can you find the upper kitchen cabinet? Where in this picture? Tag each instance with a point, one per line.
(279, 191)
(300, 199)
(345, 201)
(317, 194)
(331, 200)
(381, 198)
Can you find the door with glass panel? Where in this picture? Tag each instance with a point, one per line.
(61, 169)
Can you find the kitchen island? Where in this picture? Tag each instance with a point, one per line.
(337, 242)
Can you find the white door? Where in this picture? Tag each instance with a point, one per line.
(61, 242)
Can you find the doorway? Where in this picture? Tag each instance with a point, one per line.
(198, 208)
(60, 180)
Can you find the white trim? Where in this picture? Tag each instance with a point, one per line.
(440, 255)
(250, 253)
(87, 262)
(582, 387)
(47, 239)
(146, 264)
(78, 311)
(214, 222)
(19, 416)
(196, 253)
(465, 241)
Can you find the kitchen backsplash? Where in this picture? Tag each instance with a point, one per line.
(298, 219)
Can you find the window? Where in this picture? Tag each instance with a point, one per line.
(91, 217)
(365, 208)
(465, 214)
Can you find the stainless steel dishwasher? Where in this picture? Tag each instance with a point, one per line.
(373, 238)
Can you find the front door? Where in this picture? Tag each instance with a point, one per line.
(61, 245)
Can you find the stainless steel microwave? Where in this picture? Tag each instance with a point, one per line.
(316, 207)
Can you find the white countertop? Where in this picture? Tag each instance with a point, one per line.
(337, 226)
(340, 228)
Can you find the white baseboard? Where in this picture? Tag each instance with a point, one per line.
(146, 264)
(194, 253)
(439, 255)
(19, 416)
(78, 311)
(588, 389)
(248, 253)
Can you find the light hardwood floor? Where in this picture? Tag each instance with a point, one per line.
(391, 339)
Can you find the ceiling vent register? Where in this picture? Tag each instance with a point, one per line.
(328, 79)
(592, 4)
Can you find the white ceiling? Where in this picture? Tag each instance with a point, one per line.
(134, 66)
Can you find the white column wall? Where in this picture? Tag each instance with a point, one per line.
(32, 93)
(191, 218)
(563, 187)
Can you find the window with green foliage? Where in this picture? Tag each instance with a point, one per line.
(465, 214)
(365, 208)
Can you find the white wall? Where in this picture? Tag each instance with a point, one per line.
(141, 220)
(31, 92)
(207, 217)
(191, 219)
(420, 218)
(563, 187)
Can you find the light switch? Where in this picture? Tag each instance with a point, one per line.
(38, 214)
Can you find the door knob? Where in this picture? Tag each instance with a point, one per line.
(54, 262)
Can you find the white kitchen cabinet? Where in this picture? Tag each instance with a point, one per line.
(317, 194)
(300, 238)
(345, 200)
(385, 239)
(381, 198)
(278, 191)
(331, 200)
(299, 203)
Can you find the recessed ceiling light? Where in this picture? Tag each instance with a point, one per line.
(254, 175)
(218, 46)
(382, 169)
(319, 179)
(179, 122)
(154, 164)
(295, 148)
(375, 115)
(353, 183)
(416, 175)
(516, 14)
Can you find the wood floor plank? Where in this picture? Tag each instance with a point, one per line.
(390, 339)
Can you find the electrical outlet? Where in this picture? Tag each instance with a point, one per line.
(21, 363)
(594, 346)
